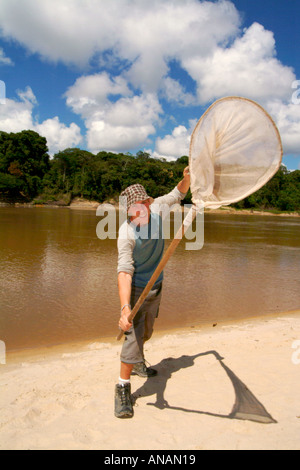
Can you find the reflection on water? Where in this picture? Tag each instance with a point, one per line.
(58, 281)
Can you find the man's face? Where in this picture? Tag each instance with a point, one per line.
(139, 212)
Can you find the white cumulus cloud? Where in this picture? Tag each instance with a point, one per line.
(58, 135)
(137, 42)
(176, 144)
(174, 92)
(287, 118)
(17, 115)
(91, 92)
(248, 67)
(3, 59)
(146, 35)
(121, 123)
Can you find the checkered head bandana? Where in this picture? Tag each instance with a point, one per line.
(132, 194)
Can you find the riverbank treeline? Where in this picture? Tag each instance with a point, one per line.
(27, 174)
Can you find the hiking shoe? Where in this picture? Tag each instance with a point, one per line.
(143, 371)
(123, 405)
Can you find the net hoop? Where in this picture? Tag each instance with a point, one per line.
(206, 167)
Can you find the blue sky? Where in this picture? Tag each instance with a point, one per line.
(129, 75)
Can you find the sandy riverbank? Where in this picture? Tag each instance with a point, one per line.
(84, 204)
(81, 204)
(235, 386)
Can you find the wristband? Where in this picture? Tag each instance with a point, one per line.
(126, 305)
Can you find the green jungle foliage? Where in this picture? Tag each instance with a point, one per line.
(28, 174)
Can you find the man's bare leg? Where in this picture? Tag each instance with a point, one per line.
(125, 371)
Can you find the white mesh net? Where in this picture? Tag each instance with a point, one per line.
(235, 149)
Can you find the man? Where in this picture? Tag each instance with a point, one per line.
(140, 249)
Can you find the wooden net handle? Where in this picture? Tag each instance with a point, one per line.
(172, 247)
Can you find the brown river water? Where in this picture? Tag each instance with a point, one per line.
(58, 281)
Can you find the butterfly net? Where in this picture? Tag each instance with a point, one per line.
(235, 149)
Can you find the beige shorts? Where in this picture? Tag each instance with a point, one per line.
(143, 323)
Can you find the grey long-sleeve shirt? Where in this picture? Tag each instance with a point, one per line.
(138, 255)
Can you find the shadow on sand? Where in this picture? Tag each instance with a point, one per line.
(246, 405)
